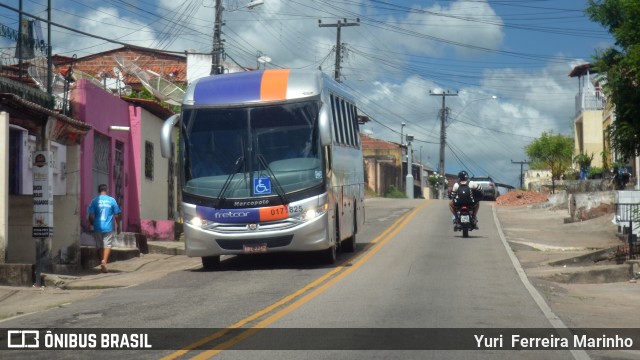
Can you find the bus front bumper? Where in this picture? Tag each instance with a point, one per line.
(308, 236)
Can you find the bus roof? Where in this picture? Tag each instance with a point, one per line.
(255, 86)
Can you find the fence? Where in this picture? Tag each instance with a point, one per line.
(628, 213)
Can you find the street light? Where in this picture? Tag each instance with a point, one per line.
(216, 65)
(409, 183)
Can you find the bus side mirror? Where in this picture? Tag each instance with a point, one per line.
(165, 135)
(324, 124)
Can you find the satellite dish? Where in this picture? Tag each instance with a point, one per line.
(38, 70)
(164, 89)
(116, 71)
(264, 59)
(132, 68)
(127, 90)
(160, 87)
(81, 75)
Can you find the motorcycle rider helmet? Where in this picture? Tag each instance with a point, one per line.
(462, 175)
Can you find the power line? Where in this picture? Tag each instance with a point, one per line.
(51, 23)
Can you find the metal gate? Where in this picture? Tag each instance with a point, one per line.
(101, 160)
(118, 174)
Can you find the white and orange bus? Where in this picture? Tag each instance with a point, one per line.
(270, 161)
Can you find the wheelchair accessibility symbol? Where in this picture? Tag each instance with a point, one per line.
(262, 186)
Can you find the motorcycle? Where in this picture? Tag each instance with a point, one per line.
(464, 222)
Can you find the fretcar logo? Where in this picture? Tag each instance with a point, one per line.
(230, 215)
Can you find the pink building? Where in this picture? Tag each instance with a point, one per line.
(123, 151)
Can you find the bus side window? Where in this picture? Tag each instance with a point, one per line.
(334, 108)
(354, 120)
(349, 123)
(343, 127)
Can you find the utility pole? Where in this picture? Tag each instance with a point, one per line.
(216, 66)
(218, 49)
(443, 133)
(338, 25)
(49, 60)
(521, 170)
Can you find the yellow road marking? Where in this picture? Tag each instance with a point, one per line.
(387, 235)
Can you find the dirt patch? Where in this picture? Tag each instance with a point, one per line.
(600, 210)
(519, 197)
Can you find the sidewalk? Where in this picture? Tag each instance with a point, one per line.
(572, 267)
(164, 257)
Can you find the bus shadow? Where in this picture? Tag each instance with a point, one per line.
(280, 261)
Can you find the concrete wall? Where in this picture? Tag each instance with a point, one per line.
(381, 174)
(154, 193)
(536, 177)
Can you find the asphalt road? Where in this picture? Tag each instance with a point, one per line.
(410, 271)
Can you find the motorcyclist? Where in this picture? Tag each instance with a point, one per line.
(473, 200)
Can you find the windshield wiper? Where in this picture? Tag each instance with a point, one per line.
(281, 193)
(225, 187)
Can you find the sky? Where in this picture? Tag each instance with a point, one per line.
(402, 51)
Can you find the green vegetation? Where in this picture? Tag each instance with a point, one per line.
(370, 193)
(553, 151)
(393, 192)
(583, 160)
(596, 172)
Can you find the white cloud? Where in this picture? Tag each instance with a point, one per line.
(99, 22)
(463, 22)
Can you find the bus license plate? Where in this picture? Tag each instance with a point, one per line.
(254, 248)
(464, 218)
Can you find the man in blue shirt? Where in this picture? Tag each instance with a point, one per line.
(103, 213)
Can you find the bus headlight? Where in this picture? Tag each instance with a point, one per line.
(314, 212)
(196, 221)
(199, 222)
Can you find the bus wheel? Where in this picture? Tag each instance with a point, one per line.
(329, 256)
(211, 262)
(349, 245)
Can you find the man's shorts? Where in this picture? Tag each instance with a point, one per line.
(104, 239)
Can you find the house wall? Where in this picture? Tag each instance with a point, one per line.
(145, 206)
(154, 207)
(588, 136)
(536, 177)
(64, 247)
(102, 110)
(382, 165)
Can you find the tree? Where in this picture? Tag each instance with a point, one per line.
(552, 151)
(620, 66)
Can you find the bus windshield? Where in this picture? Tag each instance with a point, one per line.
(248, 152)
